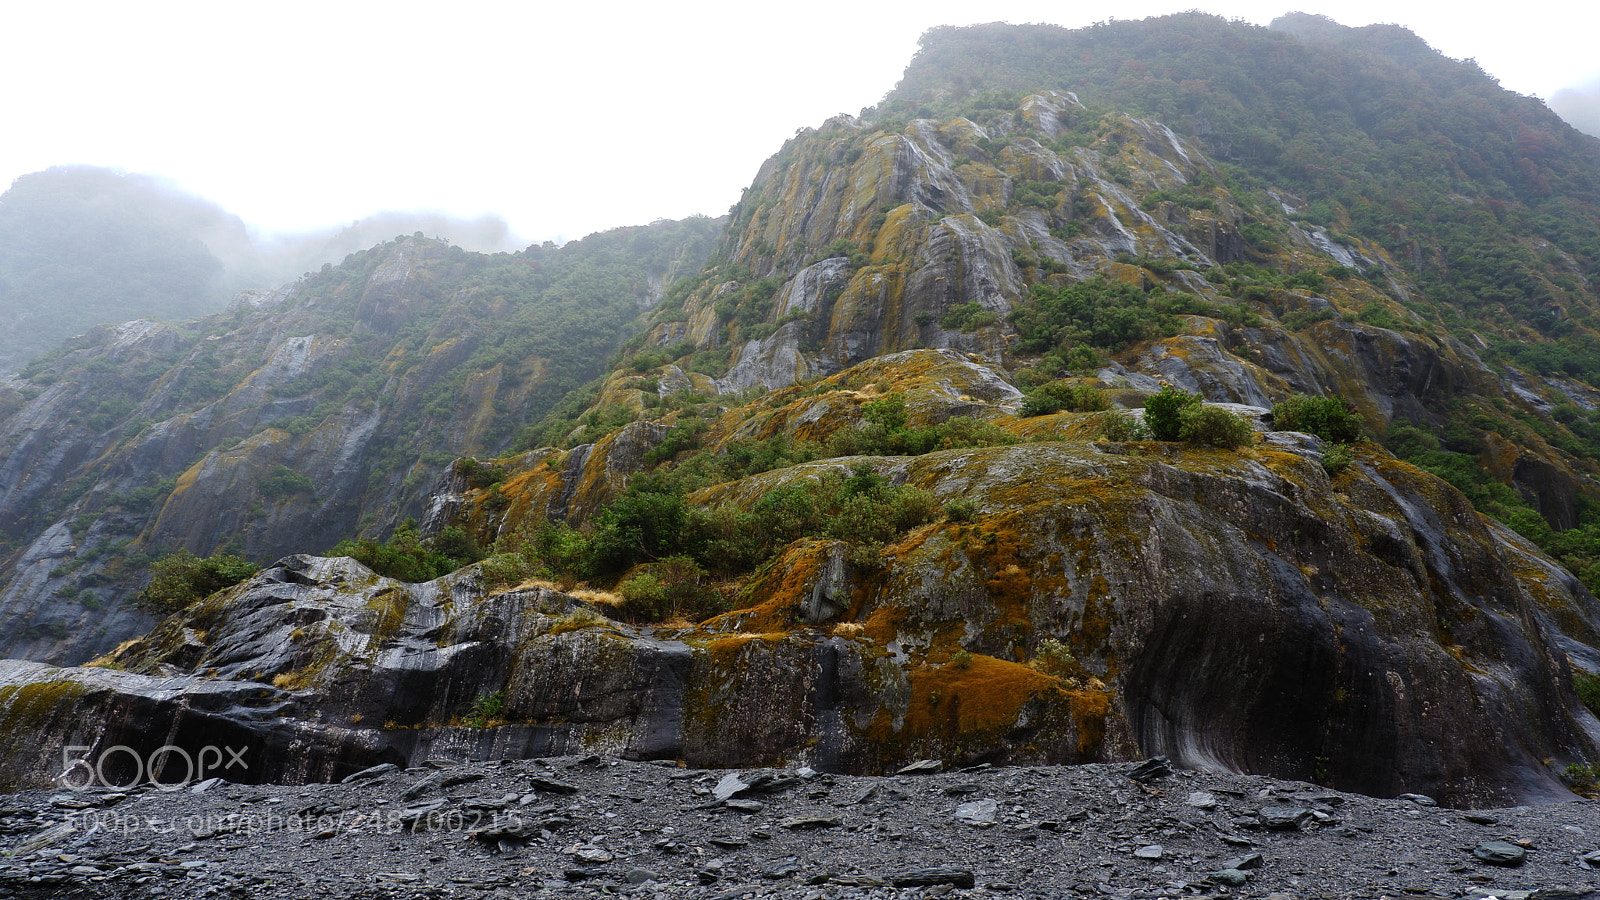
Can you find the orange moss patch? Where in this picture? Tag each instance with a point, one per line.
(884, 624)
(1089, 711)
(974, 705)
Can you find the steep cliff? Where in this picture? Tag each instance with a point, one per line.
(1236, 610)
(820, 517)
(300, 417)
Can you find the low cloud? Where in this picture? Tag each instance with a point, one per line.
(277, 258)
(1580, 106)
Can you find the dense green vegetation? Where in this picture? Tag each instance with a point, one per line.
(1071, 325)
(181, 579)
(1331, 418)
(673, 547)
(1163, 412)
(1056, 396)
(547, 318)
(406, 556)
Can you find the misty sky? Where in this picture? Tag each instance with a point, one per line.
(561, 118)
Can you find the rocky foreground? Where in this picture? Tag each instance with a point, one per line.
(594, 825)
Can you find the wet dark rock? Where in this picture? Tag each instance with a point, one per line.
(1285, 818)
(1500, 853)
(551, 786)
(809, 823)
(376, 771)
(1151, 769)
(1229, 877)
(1244, 863)
(961, 878)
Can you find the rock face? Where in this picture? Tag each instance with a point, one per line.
(858, 240)
(297, 419)
(1271, 610)
(1238, 613)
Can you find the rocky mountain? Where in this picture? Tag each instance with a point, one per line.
(299, 417)
(1173, 387)
(82, 246)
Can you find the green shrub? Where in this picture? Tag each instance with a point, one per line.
(1053, 658)
(1163, 412)
(283, 480)
(969, 316)
(885, 433)
(407, 557)
(508, 569)
(1331, 418)
(888, 412)
(1121, 425)
(1213, 426)
(960, 510)
(644, 593)
(478, 474)
(681, 437)
(181, 579)
(1588, 687)
(1335, 459)
(674, 587)
(487, 710)
(1059, 395)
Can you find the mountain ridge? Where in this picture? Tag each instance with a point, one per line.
(831, 448)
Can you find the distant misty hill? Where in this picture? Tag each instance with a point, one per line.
(82, 246)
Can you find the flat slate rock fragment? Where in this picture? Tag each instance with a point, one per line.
(1285, 818)
(1229, 877)
(423, 786)
(731, 785)
(978, 812)
(961, 878)
(1151, 769)
(591, 854)
(377, 771)
(809, 823)
(1500, 853)
(452, 779)
(552, 786)
(922, 767)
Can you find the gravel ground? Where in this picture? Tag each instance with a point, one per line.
(593, 826)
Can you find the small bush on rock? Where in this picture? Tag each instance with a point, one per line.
(182, 579)
(1163, 412)
(1059, 395)
(1331, 418)
(1121, 425)
(1213, 426)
